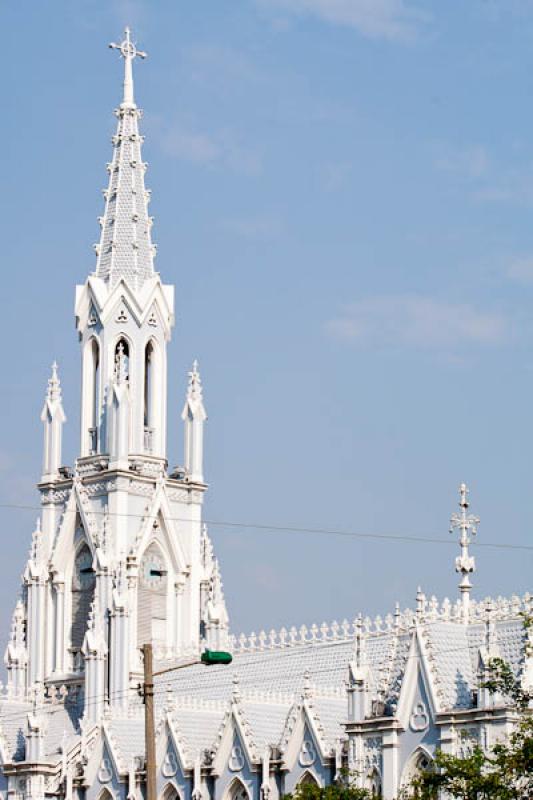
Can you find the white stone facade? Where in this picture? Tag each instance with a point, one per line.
(120, 557)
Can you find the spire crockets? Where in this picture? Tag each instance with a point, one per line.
(125, 249)
(465, 563)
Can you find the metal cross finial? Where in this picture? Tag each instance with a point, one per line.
(127, 47)
(465, 563)
(128, 51)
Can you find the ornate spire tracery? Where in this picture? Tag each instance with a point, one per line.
(464, 563)
(125, 249)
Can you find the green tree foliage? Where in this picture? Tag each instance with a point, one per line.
(343, 789)
(505, 772)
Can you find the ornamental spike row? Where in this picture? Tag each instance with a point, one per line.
(402, 621)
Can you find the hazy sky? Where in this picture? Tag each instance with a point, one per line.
(343, 196)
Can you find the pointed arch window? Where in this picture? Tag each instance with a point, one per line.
(237, 791)
(92, 394)
(153, 393)
(373, 783)
(420, 761)
(170, 793)
(105, 794)
(83, 584)
(149, 397)
(152, 598)
(308, 779)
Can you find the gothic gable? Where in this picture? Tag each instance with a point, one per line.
(303, 745)
(76, 525)
(104, 769)
(418, 682)
(235, 751)
(158, 522)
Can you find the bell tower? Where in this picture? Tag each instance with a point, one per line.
(120, 556)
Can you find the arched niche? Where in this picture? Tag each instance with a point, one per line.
(237, 791)
(152, 593)
(83, 583)
(91, 389)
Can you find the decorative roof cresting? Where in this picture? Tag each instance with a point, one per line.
(125, 250)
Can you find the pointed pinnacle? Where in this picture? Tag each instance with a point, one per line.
(54, 384)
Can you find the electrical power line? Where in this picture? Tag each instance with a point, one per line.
(292, 529)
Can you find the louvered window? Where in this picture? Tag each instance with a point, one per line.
(83, 582)
(152, 598)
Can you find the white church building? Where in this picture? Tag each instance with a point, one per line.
(120, 557)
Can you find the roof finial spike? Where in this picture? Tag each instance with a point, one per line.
(397, 615)
(307, 689)
(236, 689)
(360, 642)
(194, 389)
(54, 385)
(128, 51)
(465, 563)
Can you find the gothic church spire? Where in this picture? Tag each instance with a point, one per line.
(125, 250)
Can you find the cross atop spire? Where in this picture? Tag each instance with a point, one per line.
(465, 563)
(128, 51)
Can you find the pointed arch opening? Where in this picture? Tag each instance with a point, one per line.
(237, 791)
(170, 793)
(152, 396)
(105, 794)
(91, 396)
(83, 584)
(152, 596)
(121, 360)
(420, 761)
(373, 783)
(308, 779)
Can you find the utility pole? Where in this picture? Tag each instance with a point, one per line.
(149, 725)
(208, 657)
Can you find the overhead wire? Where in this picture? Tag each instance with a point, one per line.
(291, 529)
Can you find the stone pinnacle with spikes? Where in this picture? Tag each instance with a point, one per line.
(465, 564)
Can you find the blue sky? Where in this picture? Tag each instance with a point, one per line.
(343, 196)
